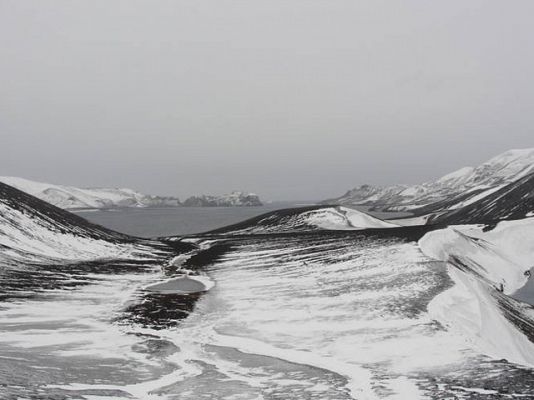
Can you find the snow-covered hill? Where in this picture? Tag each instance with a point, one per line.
(453, 190)
(311, 218)
(32, 230)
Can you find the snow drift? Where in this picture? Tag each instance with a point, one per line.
(486, 266)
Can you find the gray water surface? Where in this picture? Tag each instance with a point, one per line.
(154, 222)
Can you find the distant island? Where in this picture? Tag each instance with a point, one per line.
(234, 199)
(74, 198)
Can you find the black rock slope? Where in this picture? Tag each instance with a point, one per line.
(512, 202)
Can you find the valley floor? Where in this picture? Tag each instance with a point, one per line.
(313, 315)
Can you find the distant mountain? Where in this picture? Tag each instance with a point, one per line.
(72, 198)
(454, 190)
(69, 197)
(234, 199)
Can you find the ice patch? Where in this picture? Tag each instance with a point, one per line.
(186, 284)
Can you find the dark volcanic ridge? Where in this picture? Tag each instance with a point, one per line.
(512, 202)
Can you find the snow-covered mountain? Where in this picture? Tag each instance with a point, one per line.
(234, 199)
(71, 198)
(453, 190)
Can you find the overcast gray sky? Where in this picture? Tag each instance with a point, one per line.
(292, 99)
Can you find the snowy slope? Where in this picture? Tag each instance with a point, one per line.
(447, 192)
(69, 197)
(487, 261)
(34, 231)
(44, 248)
(486, 267)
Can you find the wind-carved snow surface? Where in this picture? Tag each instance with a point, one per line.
(482, 264)
(321, 319)
(344, 318)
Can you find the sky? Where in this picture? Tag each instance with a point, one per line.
(291, 99)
